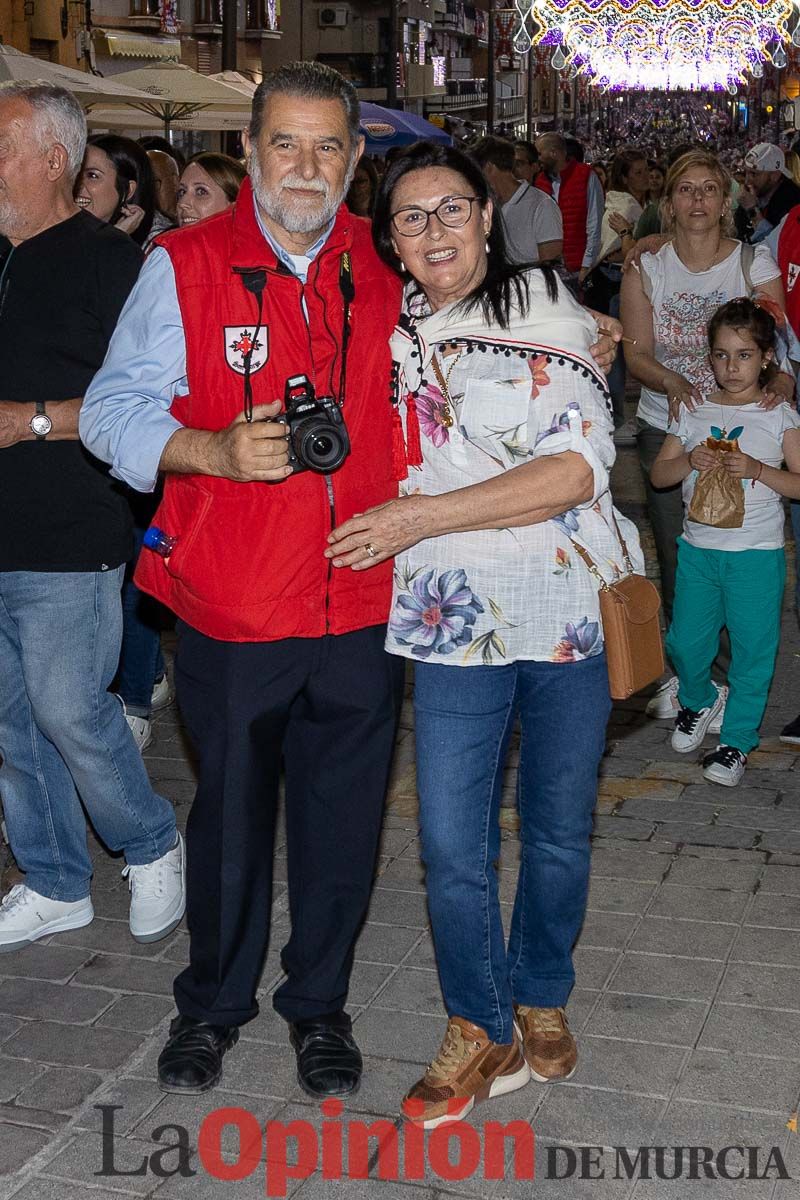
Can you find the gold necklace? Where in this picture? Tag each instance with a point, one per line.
(444, 386)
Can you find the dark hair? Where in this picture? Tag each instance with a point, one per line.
(745, 316)
(131, 165)
(494, 150)
(574, 149)
(371, 171)
(228, 173)
(154, 141)
(504, 285)
(678, 152)
(529, 148)
(309, 81)
(621, 164)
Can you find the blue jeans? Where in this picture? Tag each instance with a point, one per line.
(63, 736)
(464, 717)
(141, 662)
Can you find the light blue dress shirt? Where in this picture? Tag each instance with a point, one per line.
(125, 418)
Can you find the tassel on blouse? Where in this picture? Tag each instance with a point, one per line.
(399, 463)
(413, 447)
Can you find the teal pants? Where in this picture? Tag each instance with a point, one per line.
(742, 590)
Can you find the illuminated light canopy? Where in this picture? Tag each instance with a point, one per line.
(659, 44)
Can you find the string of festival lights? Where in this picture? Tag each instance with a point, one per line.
(660, 44)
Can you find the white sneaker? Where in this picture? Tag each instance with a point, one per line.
(663, 704)
(158, 894)
(725, 765)
(162, 694)
(691, 727)
(142, 730)
(25, 916)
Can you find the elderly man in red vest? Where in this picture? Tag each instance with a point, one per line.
(578, 192)
(279, 659)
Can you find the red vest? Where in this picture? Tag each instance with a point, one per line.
(248, 565)
(789, 263)
(573, 200)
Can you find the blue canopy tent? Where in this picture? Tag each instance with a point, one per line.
(387, 127)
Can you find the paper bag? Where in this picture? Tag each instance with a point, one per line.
(718, 498)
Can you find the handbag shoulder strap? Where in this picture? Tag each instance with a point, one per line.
(591, 565)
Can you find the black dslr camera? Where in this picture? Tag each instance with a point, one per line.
(318, 439)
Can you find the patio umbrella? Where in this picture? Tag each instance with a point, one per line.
(387, 127)
(176, 96)
(236, 80)
(16, 67)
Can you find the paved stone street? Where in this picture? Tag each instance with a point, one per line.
(687, 1004)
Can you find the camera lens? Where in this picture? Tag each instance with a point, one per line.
(319, 445)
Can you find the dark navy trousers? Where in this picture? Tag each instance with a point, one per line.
(325, 709)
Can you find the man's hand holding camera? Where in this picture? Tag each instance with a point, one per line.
(246, 451)
(252, 451)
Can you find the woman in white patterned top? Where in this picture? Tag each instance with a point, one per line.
(508, 439)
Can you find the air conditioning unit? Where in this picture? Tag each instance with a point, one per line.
(333, 16)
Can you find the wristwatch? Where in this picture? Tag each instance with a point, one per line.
(40, 423)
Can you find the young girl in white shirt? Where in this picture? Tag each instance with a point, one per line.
(731, 577)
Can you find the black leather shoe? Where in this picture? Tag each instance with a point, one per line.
(191, 1061)
(329, 1062)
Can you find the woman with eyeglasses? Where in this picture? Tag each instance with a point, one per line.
(508, 440)
(667, 301)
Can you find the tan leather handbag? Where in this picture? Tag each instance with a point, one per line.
(629, 610)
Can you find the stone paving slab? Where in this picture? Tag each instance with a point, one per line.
(687, 1001)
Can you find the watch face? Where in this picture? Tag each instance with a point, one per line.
(41, 424)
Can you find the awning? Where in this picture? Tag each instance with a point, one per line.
(137, 45)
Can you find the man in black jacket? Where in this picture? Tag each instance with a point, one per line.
(65, 536)
(768, 194)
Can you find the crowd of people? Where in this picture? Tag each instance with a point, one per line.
(335, 417)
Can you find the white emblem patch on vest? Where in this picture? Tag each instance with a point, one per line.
(239, 341)
(791, 279)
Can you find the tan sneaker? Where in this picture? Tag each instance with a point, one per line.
(547, 1043)
(468, 1068)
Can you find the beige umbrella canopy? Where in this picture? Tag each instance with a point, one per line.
(236, 80)
(177, 97)
(16, 67)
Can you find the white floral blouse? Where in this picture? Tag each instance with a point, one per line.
(490, 597)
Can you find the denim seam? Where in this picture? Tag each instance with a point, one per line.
(484, 865)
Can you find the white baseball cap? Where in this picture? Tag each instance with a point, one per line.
(766, 157)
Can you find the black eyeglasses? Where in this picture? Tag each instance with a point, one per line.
(453, 212)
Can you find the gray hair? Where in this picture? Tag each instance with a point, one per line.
(58, 119)
(309, 81)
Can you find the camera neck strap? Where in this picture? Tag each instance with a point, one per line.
(255, 280)
(348, 289)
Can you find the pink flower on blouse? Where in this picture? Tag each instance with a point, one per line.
(539, 376)
(432, 411)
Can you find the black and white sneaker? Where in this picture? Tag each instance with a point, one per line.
(791, 732)
(691, 727)
(725, 765)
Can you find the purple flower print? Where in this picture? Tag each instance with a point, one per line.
(559, 423)
(582, 640)
(437, 613)
(432, 411)
(567, 522)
